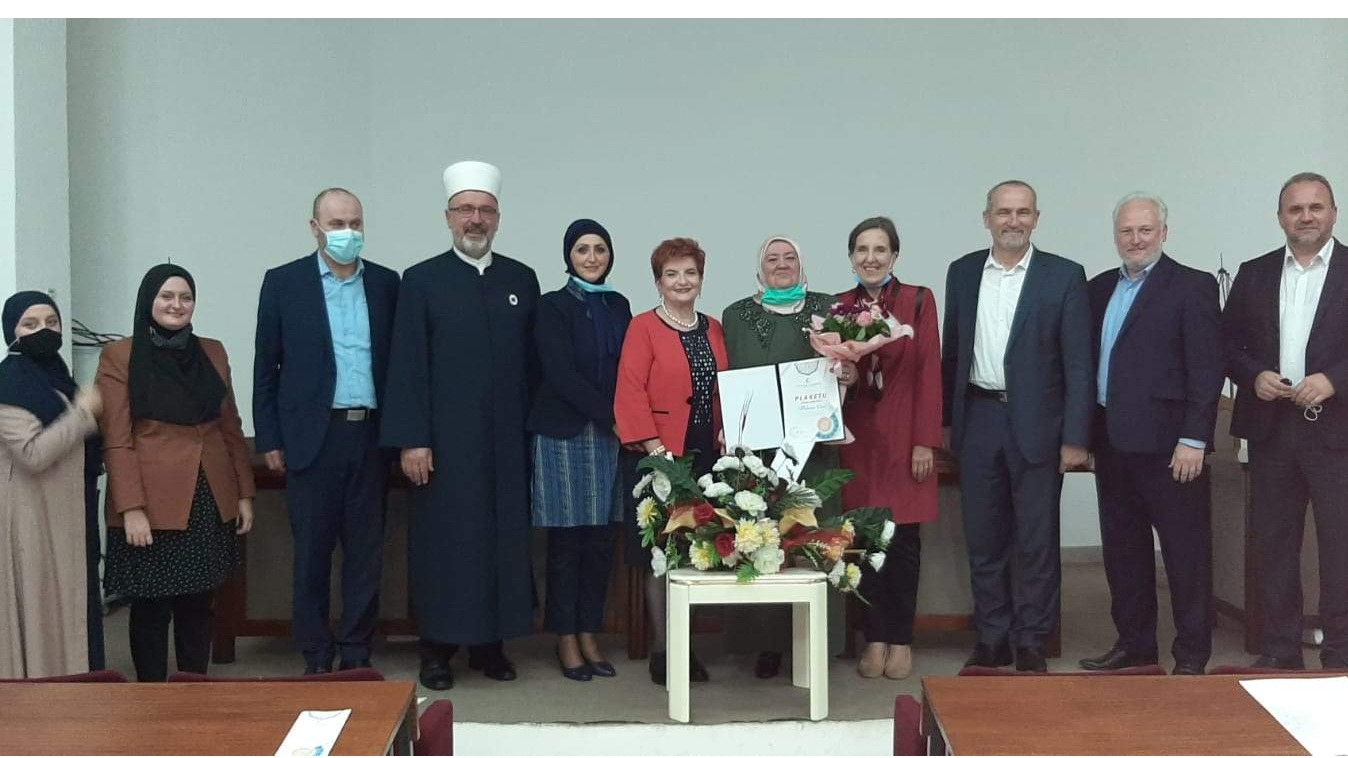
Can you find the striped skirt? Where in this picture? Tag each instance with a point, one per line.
(576, 479)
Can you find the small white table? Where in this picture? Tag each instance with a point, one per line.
(807, 592)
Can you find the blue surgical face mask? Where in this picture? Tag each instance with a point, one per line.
(343, 245)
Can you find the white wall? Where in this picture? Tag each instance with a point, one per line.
(205, 141)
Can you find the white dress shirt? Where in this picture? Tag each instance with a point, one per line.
(480, 264)
(998, 295)
(1298, 297)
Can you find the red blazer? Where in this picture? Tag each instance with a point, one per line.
(655, 385)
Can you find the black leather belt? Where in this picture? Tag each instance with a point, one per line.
(998, 395)
(353, 414)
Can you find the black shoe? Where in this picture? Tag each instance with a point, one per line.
(317, 668)
(601, 667)
(494, 666)
(990, 656)
(1188, 669)
(360, 663)
(436, 675)
(658, 667)
(767, 665)
(1287, 662)
(579, 673)
(1031, 659)
(1116, 658)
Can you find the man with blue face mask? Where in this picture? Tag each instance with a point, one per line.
(324, 325)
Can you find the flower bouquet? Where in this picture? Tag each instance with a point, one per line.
(744, 518)
(851, 332)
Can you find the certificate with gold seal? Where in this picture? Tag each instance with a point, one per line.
(811, 401)
(797, 402)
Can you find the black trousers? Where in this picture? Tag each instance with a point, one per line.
(1011, 524)
(338, 499)
(1138, 492)
(93, 555)
(892, 591)
(150, 617)
(430, 650)
(1287, 469)
(579, 559)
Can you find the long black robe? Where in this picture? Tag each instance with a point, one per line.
(460, 376)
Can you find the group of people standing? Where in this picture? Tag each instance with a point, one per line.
(537, 407)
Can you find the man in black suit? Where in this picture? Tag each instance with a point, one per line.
(1018, 390)
(324, 325)
(1286, 336)
(1159, 371)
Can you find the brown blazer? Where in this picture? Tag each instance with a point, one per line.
(153, 465)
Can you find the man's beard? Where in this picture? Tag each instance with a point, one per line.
(474, 248)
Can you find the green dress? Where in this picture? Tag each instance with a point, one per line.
(755, 336)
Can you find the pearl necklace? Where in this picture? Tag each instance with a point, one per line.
(681, 324)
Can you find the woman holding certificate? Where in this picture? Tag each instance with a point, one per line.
(895, 414)
(762, 330)
(666, 395)
(579, 333)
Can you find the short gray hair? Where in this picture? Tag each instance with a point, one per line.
(1010, 183)
(1155, 200)
(1307, 176)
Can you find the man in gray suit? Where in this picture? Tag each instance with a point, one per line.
(1018, 390)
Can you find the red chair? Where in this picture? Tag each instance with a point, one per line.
(104, 676)
(1152, 670)
(907, 727)
(437, 730)
(350, 675)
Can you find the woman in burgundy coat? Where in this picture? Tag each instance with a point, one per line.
(894, 411)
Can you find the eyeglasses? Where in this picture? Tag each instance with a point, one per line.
(467, 211)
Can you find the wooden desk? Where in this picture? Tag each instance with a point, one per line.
(1098, 715)
(215, 718)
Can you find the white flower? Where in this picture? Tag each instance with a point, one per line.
(645, 512)
(802, 496)
(702, 554)
(750, 502)
(705, 481)
(853, 574)
(768, 560)
(641, 485)
(658, 563)
(835, 574)
(662, 486)
(755, 466)
(768, 533)
(877, 560)
(717, 489)
(732, 559)
(887, 533)
(747, 536)
(726, 463)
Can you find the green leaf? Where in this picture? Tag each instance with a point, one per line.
(831, 482)
(683, 485)
(746, 572)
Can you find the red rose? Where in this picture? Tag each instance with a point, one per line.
(725, 544)
(703, 512)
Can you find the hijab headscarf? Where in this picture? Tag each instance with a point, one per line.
(606, 333)
(779, 301)
(34, 383)
(171, 378)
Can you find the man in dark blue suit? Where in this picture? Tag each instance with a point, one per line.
(324, 324)
(1159, 372)
(1018, 387)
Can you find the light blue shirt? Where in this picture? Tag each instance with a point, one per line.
(349, 320)
(1125, 292)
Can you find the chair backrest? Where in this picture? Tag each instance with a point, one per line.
(1152, 670)
(908, 726)
(437, 730)
(350, 675)
(102, 676)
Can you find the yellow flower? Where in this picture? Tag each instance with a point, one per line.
(645, 512)
(853, 575)
(702, 554)
(848, 529)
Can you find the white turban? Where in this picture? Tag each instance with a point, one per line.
(472, 175)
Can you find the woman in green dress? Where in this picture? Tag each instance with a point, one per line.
(761, 330)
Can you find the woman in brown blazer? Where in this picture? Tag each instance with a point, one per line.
(180, 484)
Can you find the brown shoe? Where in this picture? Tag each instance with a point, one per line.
(872, 663)
(899, 662)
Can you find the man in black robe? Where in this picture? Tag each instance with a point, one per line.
(460, 375)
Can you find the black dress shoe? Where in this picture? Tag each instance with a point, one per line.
(436, 675)
(601, 668)
(1187, 669)
(317, 668)
(579, 673)
(658, 668)
(1031, 659)
(1287, 662)
(990, 656)
(1116, 658)
(361, 663)
(767, 665)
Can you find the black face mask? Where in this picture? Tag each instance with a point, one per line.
(44, 343)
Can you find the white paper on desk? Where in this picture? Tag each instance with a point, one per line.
(1309, 708)
(314, 733)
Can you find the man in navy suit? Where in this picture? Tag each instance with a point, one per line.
(1286, 335)
(1018, 391)
(324, 323)
(1159, 372)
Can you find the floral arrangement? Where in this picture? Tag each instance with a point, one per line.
(743, 517)
(850, 332)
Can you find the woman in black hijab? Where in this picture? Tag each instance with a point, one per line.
(47, 614)
(180, 484)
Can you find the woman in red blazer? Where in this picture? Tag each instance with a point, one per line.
(666, 395)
